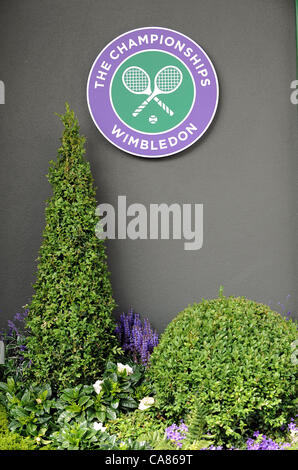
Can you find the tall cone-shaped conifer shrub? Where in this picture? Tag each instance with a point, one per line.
(71, 330)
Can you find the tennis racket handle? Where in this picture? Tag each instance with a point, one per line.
(164, 106)
(141, 107)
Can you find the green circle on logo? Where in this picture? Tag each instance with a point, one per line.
(152, 92)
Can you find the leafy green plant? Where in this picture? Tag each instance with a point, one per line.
(131, 444)
(158, 441)
(29, 410)
(201, 444)
(151, 429)
(233, 356)
(34, 412)
(70, 315)
(137, 425)
(12, 441)
(197, 419)
(3, 420)
(83, 436)
(118, 390)
(102, 401)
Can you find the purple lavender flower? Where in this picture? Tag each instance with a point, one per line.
(14, 340)
(17, 325)
(262, 442)
(176, 434)
(292, 426)
(136, 337)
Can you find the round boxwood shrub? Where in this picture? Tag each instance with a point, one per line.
(231, 358)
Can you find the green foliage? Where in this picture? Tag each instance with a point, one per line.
(293, 446)
(77, 435)
(201, 444)
(233, 357)
(145, 426)
(138, 425)
(117, 394)
(143, 388)
(130, 444)
(13, 367)
(198, 424)
(12, 441)
(158, 441)
(82, 436)
(14, 339)
(68, 421)
(14, 344)
(70, 315)
(29, 410)
(3, 420)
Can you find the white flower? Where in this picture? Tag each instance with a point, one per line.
(146, 402)
(99, 427)
(97, 386)
(122, 368)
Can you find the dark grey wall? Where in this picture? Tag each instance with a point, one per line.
(243, 171)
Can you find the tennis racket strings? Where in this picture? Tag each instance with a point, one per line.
(136, 80)
(166, 81)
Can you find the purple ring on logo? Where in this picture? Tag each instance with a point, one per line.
(140, 143)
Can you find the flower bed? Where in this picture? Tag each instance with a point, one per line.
(222, 376)
(117, 411)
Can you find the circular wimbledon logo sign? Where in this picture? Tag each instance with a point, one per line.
(152, 92)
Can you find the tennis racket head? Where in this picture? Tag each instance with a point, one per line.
(168, 79)
(136, 80)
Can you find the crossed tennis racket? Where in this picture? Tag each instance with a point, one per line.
(166, 81)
